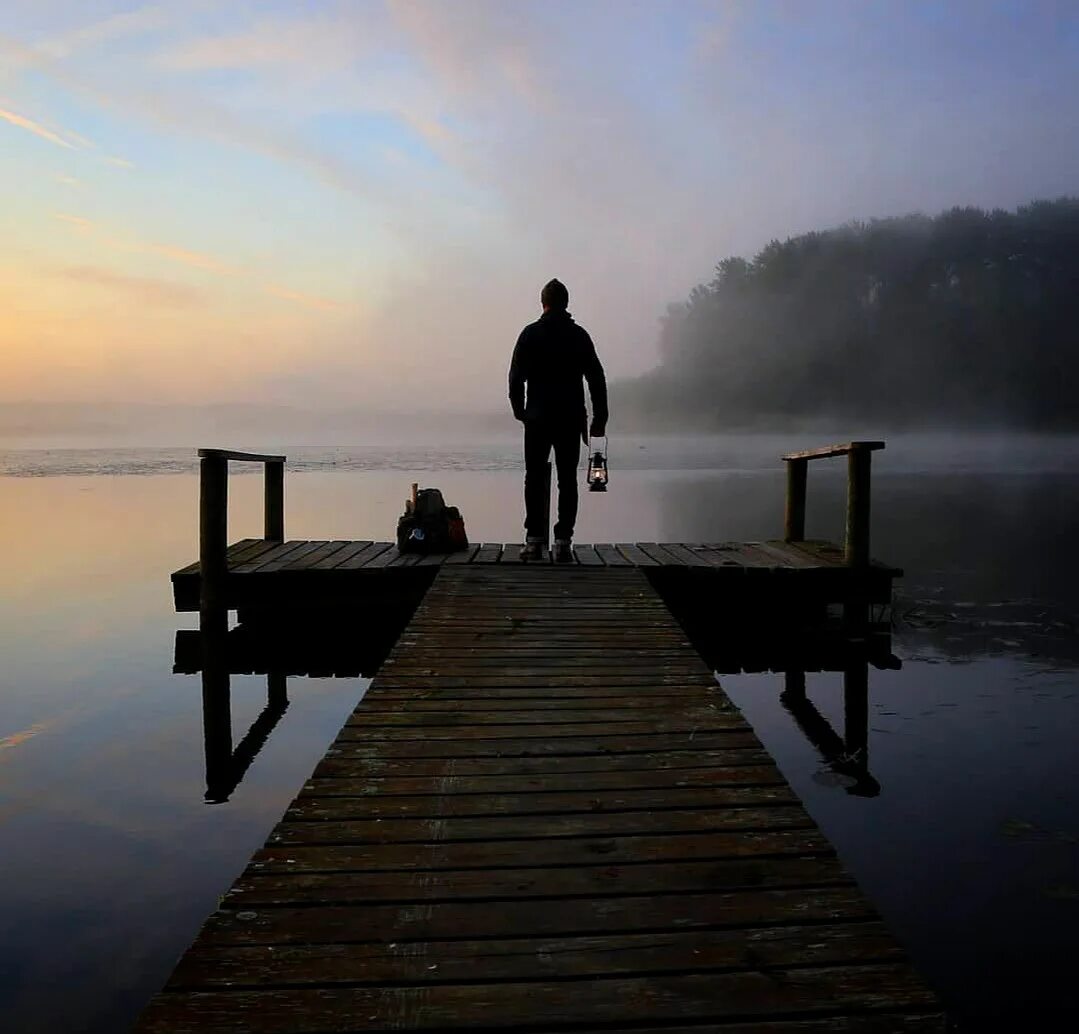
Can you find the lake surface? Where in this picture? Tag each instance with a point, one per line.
(110, 857)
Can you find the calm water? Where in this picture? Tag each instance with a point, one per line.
(110, 857)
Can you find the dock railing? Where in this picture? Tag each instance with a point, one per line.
(214, 516)
(859, 455)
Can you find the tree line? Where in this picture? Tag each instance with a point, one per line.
(968, 318)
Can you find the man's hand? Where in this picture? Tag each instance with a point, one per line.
(597, 430)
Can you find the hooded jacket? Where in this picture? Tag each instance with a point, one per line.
(553, 357)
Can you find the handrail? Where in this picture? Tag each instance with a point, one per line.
(859, 455)
(832, 450)
(232, 454)
(213, 516)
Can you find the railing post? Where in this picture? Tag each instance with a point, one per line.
(275, 501)
(858, 473)
(213, 532)
(794, 522)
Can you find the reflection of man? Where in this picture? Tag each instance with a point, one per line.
(551, 358)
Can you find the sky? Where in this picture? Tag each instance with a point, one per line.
(356, 204)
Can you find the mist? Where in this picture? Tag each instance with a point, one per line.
(344, 213)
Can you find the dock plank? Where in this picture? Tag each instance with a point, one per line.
(515, 830)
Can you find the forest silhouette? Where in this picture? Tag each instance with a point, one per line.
(966, 319)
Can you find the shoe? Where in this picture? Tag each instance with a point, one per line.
(563, 552)
(532, 551)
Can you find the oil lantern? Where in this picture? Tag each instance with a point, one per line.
(597, 468)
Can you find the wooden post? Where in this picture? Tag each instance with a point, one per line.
(213, 532)
(858, 472)
(275, 501)
(794, 524)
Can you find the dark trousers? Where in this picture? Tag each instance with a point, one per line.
(540, 439)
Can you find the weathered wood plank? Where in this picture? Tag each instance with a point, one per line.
(309, 807)
(587, 556)
(610, 555)
(281, 562)
(360, 560)
(464, 556)
(635, 555)
(360, 727)
(280, 551)
(688, 997)
(256, 889)
(401, 830)
(563, 852)
(769, 948)
(406, 715)
(449, 784)
(350, 550)
(488, 553)
(357, 745)
(308, 561)
(328, 924)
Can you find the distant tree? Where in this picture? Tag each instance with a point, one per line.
(970, 317)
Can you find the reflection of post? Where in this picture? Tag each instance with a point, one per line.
(277, 690)
(216, 706)
(794, 685)
(856, 712)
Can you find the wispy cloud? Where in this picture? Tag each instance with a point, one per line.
(17, 738)
(121, 163)
(78, 221)
(140, 288)
(186, 257)
(312, 301)
(162, 291)
(68, 181)
(34, 127)
(125, 24)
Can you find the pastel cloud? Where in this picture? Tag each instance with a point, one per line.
(302, 298)
(34, 127)
(186, 257)
(140, 289)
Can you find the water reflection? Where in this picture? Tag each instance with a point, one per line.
(325, 644)
(313, 643)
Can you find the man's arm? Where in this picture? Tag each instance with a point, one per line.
(518, 376)
(597, 389)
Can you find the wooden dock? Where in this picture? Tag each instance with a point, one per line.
(545, 815)
(266, 573)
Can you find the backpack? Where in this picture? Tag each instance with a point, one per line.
(428, 525)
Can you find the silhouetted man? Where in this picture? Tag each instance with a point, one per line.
(552, 359)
